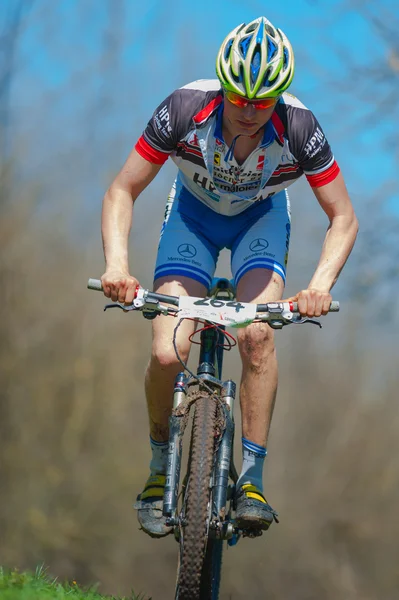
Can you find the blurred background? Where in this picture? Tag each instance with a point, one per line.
(78, 82)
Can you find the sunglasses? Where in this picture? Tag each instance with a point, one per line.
(242, 102)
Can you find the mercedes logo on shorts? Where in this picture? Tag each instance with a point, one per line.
(187, 250)
(258, 245)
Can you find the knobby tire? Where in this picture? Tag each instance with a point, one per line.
(211, 571)
(194, 534)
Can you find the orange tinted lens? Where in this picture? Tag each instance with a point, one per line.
(265, 103)
(243, 102)
(236, 99)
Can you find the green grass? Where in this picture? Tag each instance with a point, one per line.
(40, 586)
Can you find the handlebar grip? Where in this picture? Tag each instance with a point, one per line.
(95, 284)
(334, 306)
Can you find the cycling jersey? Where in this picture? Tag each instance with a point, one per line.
(187, 126)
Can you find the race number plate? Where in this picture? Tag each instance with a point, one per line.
(223, 312)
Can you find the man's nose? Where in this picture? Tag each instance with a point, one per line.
(249, 111)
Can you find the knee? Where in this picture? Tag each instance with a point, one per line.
(256, 343)
(164, 358)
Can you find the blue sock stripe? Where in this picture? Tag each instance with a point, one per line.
(155, 443)
(261, 450)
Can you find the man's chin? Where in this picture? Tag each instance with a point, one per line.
(247, 129)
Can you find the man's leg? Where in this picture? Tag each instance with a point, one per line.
(164, 365)
(259, 362)
(159, 379)
(257, 396)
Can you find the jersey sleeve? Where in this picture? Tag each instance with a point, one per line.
(311, 148)
(161, 135)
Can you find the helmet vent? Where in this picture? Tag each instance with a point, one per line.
(266, 81)
(271, 49)
(244, 46)
(270, 30)
(255, 65)
(286, 59)
(240, 77)
(227, 50)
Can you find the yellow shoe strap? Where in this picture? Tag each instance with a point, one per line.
(251, 491)
(154, 487)
(155, 480)
(152, 492)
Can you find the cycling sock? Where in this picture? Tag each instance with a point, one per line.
(253, 457)
(159, 457)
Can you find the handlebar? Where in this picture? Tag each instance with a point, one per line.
(95, 284)
(216, 309)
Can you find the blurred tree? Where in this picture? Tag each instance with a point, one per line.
(13, 16)
(368, 91)
(9, 31)
(376, 265)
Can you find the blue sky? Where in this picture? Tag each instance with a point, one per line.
(157, 46)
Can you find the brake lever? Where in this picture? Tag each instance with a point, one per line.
(146, 309)
(121, 306)
(306, 320)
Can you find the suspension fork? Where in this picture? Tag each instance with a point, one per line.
(174, 450)
(224, 455)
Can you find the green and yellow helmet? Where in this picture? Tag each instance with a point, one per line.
(256, 60)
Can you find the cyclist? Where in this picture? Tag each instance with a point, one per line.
(238, 142)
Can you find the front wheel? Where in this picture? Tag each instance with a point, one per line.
(211, 571)
(196, 506)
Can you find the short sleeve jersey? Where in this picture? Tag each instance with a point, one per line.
(187, 126)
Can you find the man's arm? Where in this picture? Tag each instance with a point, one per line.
(341, 233)
(136, 174)
(340, 238)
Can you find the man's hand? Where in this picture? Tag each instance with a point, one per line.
(119, 286)
(311, 302)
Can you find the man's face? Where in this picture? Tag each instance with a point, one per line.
(245, 121)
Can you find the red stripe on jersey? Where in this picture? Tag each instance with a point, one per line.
(325, 177)
(208, 110)
(278, 126)
(189, 149)
(287, 169)
(149, 153)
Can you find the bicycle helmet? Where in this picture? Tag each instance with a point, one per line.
(256, 60)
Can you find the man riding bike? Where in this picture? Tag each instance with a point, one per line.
(238, 142)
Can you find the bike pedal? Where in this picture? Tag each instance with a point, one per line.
(233, 541)
(252, 533)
